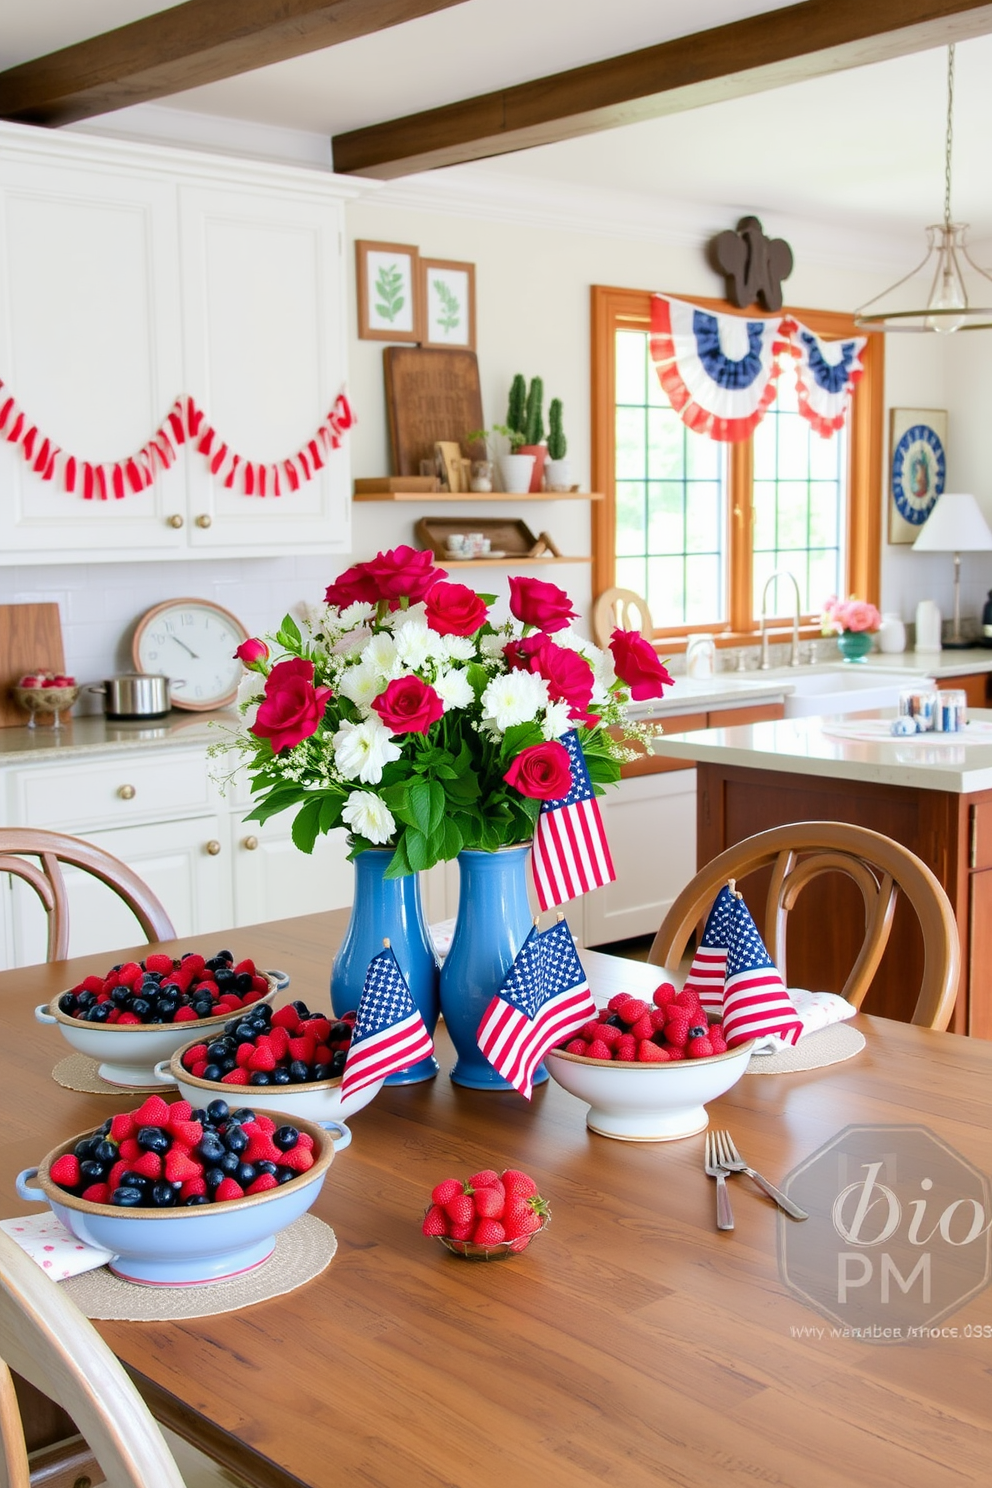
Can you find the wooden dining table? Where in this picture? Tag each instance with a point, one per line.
(632, 1343)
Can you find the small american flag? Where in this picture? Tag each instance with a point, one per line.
(545, 998)
(571, 854)
(389, 1032)
(755, 1000)
(709, 964)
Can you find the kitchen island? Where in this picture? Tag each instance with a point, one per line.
(932, 793)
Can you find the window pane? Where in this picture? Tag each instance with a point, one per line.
(666, 445)
(631, 451)
(666, 528)
(763, 497)
(631, 368)
(704, 516)
(631, 509)
(632, 574)
(666, 591)
(702, 580)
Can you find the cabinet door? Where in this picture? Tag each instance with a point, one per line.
(651, 828)
(263, 298)
(175, 860)
(89, 347)
(273, 880)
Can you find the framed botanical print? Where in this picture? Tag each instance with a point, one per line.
(449, 302)
(389, 298)
(917, 468)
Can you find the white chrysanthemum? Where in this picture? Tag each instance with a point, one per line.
(356, 613)
(458, 648)
(454, 689)
(369, 817)
(313, 616)
(352, 643)
(492, 645)
(514, 698)
(361, 750)
(380, 656)
(361, 684)
(556, 720)
(415, 643)
(397, 619)
(251, 687)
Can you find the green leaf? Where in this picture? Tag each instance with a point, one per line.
(465, 788)
(399, 865)
(306, 825)
(279, 800)
(417, 850)
(478, 677)
(420, 806)
(521, 736)
(288, 634)
(452, 840)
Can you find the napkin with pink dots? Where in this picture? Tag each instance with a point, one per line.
(56, 1250)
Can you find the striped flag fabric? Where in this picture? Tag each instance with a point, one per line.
(755, 1000)
(571, 854)
(389, 1032)
(544, 998)
(709, 964)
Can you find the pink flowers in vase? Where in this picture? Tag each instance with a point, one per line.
(849, 615)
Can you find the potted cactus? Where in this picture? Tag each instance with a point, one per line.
(557, 472)
(531, 425)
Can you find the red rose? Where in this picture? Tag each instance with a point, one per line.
(455, 609)
(354, 585)
(408, 706)
(403, 573)
(569, 676)
(636, 663)
(292, 707)
(252, 652)
(543, 772)
(520, 653)
(537, 603)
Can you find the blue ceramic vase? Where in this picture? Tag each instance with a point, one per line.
(494, 920)
(388, 908)
(854, 645)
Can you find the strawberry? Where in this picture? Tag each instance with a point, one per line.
(230, 1002)
(115, 1174)
(128, 1017)
(180, 1110)
(608, 1033)
(489, 1203)
(198, 1068)
(259, 984)
(279, 1042)
(460, 1209)
(598, 1050)
(149, 1165)
(243, 1053)
(435, 1221)
(266, 1125)
(261, 1183)
(319, 1028)
(188, 1132)
(302, 1048)
(122, 1126)
(460, 1232)
(633, 1009)
(228, 1189)
(179, 1168)
(449, 1188)
(154, 1112)
(518, 1185)
(649, 1053)
(488, 1232)
(577, 1046)
(245, 966)
(616, 1003)
(643, 1028)
(286, 1017)
(193, 1188)
(262, 1059)
(262, 1149)
(198, 1051)
(193, 962)
(298, 1158)
(65, 1171)
(626, 1049)
(129, 1149)
(236, 1077)
(522, 1222)
(97, 1193)
(663, 995)
(699, 1048)
(181, 1015)
(129, 974)
(488, 1178)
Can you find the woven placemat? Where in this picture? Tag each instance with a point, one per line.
(302, 1252)
(79, 1072)
(829, 1046)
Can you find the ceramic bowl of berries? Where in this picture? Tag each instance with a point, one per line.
(181, 1195)
(291, 1059)
(487, 1217)
(140, 1012)
(648, 1070)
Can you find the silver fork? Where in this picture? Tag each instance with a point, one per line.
(714, 1169)
(726, 1154)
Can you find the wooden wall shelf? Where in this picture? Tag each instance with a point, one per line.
(513, 561)
(429, 496)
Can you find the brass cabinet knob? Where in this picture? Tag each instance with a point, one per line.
(249, 844)
(175, 520)
(213, 847)
(126, 792)
(204, 520)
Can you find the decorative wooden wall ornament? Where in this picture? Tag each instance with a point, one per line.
(754, 265)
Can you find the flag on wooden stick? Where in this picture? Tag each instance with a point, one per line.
(389, 1032)
(571, 854)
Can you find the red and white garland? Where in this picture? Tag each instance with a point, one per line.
(184, 423)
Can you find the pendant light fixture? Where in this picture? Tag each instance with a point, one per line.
(948, 289)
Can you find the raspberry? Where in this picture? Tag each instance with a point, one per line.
(608, 1033)
(598, 1050)
(65, 1171)
(659, 1017)
(616, 1003)
(677, 1032)
(699, 1048)
(435, 1221)
(192, 961)
(489, 1232)
(633, 1009)
(158, 962)
(675, 1051)
(305, 1140)
(643, 1028)
(577, 1046)
(228, 1189)
(193, 1189)
(128, 1017)
(184, 1015)
(626, 1049)
(718, 1041)
(663, 995)
(91, 984)
(197, 1052)
(198, 1068)
(242, 966)
(129, 974)
(650, 1053)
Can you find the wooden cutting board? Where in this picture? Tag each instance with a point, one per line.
(430, 395)
(30, 638)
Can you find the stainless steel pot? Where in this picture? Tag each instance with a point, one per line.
(135, 695)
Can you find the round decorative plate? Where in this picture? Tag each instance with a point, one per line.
(918, 469)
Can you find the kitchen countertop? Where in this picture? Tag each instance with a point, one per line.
(98, 735)
(805, 746)
(939, 664)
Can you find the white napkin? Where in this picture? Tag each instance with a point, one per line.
(816, 1010)
(46, 1240)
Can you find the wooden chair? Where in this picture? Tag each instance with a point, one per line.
(49, 1343)
(45, 877)
(620, 608)
(800, 852)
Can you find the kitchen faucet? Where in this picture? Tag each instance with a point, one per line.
(780, 573)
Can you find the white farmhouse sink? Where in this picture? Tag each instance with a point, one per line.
(843, 691)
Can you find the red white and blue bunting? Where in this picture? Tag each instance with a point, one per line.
(721, 371)
(184, 423)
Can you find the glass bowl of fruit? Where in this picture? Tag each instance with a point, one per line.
(291, 1059)
(45, 692)
(648, 1070)
(181, 1195)
(488, 1217)
(139, 1012)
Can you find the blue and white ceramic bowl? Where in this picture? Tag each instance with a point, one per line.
(185, 1247)
(129, 1052)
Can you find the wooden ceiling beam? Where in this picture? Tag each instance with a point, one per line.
(186, 46)
(764, 51)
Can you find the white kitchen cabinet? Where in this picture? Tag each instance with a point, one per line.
(273, 880)
(136, 273)
(650, 823)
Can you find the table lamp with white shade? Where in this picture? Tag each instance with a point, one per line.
(955, 525)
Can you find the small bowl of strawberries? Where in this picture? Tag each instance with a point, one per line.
(647, 1070)
(487, 1217)
(45, 692)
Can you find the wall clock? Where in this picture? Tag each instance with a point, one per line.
(918, 469)
(192, 641)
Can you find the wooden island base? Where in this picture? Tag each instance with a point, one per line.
(951, 832)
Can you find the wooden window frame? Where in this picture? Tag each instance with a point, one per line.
(616, 309)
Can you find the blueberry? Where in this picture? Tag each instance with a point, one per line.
(67, 1002)
(100, 1013)
(211, 1149)
(120, 996)
(218, 1110)
(102, 1131)
(244, 1032)
(106, 1152)
(266, 1167)
(93, 1171)
(337, 1062)
(203, 1007)
(286, 1138)
(231, 1025)
(247, 1173)
(130, 1179)
(86, 1146)
(213, 1176)
(242, 982)
(284, 1175)
(153, 1139)
(219, 1049)
(235, 1138)
(142, 1007)
(85, 999)
(699, 1031)
(301, 1008)
(224, 978)
(198, 1114)
(125, 1196)
(322, 1071)
(228, 1064)
(163, 1194)
(339, 1032)
(195, 1199)
(262, 1011)
(280, 1077)
(212, 1072)
(229, 1164)
(243, 1113)
(259, 1077)
(299, 1072)
(225, 956)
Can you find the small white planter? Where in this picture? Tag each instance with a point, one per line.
(516, 471)
(558, 475)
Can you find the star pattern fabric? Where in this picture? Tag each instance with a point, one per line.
(389, 1032)
(571, 854)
